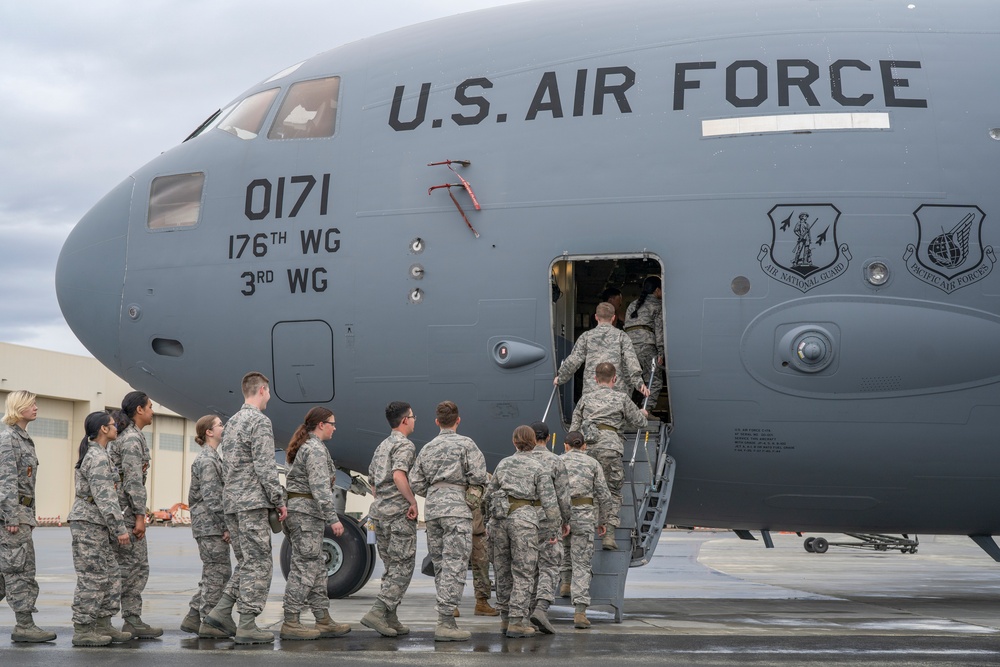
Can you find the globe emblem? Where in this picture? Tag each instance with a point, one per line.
(946, 252)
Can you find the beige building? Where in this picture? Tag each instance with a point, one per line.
(70, 387)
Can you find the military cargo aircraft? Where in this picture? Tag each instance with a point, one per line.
(431, 214)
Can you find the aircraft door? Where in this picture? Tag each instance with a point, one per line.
(578, 285)
(302, 354)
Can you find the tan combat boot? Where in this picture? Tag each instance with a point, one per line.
(103, 626)
(447, 630)
(191, 622)
(483, 608)
(292, 629)
(565, 588)
(518, 627)
(220, 618)
(135, 626)
(329, 628)
(247, 631)
(377, 621)
(608, 542)
(580, 620)
(85, 635)
(27, 631)
(540, 618)
(394, 623)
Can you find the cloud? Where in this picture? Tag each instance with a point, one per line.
(94, 90)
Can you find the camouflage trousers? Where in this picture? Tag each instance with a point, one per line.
(397, 547)
(614, 473)
(578, 552)
(546, 578)
(515, 558)
(17, 569)
(133, 562)
(306, 584)
(449, 541)
(647, 359)
(98, 581)
(215, 572)
(251, 580)
(480, 559)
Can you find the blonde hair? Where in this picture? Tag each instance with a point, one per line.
(17, 402)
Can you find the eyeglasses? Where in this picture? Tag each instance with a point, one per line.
(410, 416)
(331, 423)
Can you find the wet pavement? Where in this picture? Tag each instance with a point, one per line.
(705, 599)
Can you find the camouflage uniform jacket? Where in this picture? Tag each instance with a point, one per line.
(557, 471)
(586, 480)
(18, 470)
(394, 453)
(249, 472)
(205, 494)
(523, 476)
(607, 407)
(449, 460)
(312, 473)
(130, 457)
(646, 328)
(600, 344)
(96, 498)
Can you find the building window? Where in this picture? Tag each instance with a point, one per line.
(171, 443)
(49, 428)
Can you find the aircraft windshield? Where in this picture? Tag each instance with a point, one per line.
(175, 201)
(247, 118)
(308, 111)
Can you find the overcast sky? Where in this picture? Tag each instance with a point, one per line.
(92, 90)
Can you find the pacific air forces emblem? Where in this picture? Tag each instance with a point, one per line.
(804, 252)
(949, 253)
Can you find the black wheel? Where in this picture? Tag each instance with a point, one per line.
(369, 556)
(348, 559)
(820, 545)
(808, 544)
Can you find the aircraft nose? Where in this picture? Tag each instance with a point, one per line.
(90, 274)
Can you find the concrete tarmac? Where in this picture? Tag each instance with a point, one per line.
(706, 598)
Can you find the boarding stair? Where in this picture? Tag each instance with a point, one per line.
(649, 477)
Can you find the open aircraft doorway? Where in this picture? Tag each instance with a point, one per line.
(578, 283)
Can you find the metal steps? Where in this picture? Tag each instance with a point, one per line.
(649, 476)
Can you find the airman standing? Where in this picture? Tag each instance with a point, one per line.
(603, 343)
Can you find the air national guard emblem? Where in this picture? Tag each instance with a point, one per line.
(949, 252)
(804, 251)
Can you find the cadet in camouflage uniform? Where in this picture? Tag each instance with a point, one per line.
(250, 476)
(549, 540)
(518, 493)
(601, 416)
(309, 485)
(208, 527)
(394, 513)
(591, 506)
(600, 344)
(18, 474)
(450, 472)
(130, 456)
(644, 326)
(95, 521)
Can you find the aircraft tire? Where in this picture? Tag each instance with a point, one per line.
(808, 544)
(350, 560)
(820, 545)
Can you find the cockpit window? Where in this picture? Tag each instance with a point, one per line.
(175, 201)
(308, 111)
(247, 118)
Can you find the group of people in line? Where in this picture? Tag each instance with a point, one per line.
(107, 522)
(541, 511)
